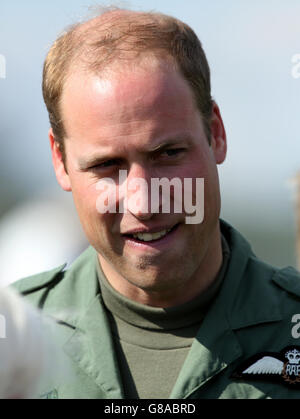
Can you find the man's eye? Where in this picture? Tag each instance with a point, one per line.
(105, 164)
(173, 151)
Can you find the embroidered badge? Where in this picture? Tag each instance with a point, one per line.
(283, 366)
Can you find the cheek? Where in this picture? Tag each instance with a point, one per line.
(199, 168)
(83, 189)
(200, 163)
(205, 193)
(85, 197)
(85, 203)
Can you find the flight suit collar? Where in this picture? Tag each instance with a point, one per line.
(246, 289)
(214, 348)
(82, 319)
(216, 345)
(91, 347)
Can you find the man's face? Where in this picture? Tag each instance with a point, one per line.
(145, 122)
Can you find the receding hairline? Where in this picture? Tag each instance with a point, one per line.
(118, 20)
(86, 32)
(110, 18)
(110, 15)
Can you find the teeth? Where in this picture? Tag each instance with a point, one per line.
(147, 237)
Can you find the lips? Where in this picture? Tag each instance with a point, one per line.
(150, 236)
(147, 237)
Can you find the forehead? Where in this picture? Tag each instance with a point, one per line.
(129, 98)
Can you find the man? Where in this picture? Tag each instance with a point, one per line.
(162, 305)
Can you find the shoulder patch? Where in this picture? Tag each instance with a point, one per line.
(36, 282)
(288, 279)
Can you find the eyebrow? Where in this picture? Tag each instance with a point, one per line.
(168, 143)
(87, 162)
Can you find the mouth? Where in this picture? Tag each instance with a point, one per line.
(148, 238)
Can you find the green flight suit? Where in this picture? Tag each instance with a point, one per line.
(252, 313)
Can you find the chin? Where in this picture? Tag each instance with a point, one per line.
(154, 280)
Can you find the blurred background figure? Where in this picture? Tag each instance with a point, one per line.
(38, 235)
(29, 357)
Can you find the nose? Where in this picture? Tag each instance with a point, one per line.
(138, 200)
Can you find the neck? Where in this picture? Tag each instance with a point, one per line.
(204, 276)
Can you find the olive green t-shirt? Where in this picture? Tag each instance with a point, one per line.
(152, 343)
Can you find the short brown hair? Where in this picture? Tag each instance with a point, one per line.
(115, 35)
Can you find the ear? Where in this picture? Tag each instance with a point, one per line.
(218, 135)
(59, 166)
